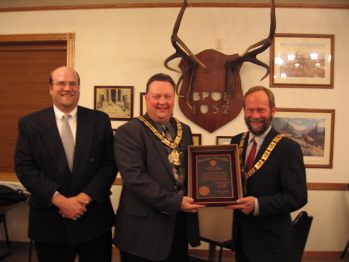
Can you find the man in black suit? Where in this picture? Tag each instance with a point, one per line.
(70, 207)
(155, 220)
(275, 187)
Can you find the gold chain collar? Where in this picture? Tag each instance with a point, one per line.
(263, 158)
(176, 141)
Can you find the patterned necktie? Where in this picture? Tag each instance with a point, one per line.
(68, 141)
(251, 156)
(176, 169)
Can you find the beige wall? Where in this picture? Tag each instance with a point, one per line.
(126, 46)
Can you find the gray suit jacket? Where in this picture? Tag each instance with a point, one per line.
(149, 203)
(42, 168)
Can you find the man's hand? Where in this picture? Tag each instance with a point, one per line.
(72, 207)
(188, 206)
(246, 205)
(84, 199)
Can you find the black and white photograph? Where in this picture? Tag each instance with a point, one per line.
(116, 101)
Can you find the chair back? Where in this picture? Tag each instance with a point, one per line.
(300, 227)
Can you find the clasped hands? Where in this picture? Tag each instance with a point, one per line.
(72, 207)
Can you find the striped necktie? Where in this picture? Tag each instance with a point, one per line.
(177, 170)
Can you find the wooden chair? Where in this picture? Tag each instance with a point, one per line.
(301, 226)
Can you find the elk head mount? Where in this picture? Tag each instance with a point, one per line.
(209, 88)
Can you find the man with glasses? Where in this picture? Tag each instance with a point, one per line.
(64, 158)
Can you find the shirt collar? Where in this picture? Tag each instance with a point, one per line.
(259, 139)
(59, 114)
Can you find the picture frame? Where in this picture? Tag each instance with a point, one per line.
(142, 103)
(223, 140)
(214, 176)
(116, 101)
(196, 139)
(312, 129)
(302, 61)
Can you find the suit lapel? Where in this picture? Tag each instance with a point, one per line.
(53, 142)
(160, 148)
(84, 137)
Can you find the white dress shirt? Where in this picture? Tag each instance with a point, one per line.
(72, 120)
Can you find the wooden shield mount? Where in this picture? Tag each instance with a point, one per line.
(206, 101)
(209, 87)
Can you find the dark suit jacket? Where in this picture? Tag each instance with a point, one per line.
(42, 168)
(280, 186)
(148, 206)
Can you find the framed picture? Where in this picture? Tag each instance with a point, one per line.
(116, 101)
(302, 60)
(223, 140)
(196, 139)
(312, 129)
(143, 106)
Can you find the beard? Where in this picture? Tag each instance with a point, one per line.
(259, 129)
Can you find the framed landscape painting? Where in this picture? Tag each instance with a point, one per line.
(312, 129)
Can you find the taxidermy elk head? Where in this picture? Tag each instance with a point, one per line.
(209, 87)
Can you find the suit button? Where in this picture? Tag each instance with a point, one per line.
(92, 160)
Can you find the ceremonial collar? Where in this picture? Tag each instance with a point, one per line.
(168, 143)
(264, 157)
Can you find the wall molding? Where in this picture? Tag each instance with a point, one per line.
(327, 186)
(11, 176)
(310, 186)
(164, 5)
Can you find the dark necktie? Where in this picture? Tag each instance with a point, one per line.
(251, 155)
(176, 169)
(68, 141)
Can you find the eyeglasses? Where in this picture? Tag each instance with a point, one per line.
(63, 84)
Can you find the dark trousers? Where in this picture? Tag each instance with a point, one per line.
(239, 250)
(98, 249)
(179, 248)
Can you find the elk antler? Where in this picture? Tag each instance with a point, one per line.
(186, 54)
(264, 44)
(251, 56)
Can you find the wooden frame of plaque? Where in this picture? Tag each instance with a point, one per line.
(214, 177)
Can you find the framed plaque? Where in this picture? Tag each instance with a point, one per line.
(214, 177)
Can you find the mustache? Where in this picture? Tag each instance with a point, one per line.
(259, 120)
